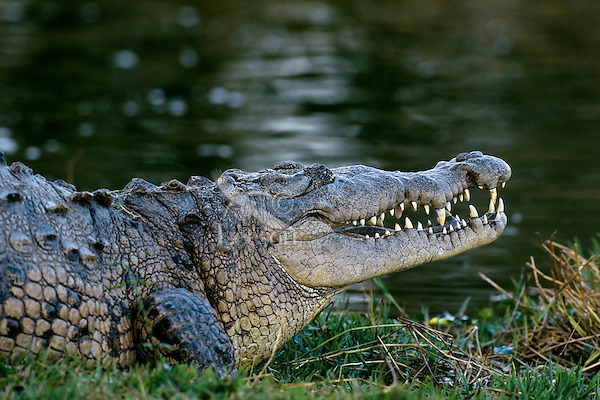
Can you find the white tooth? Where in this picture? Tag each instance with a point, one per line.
(377, 236)
(457, 217)
(485, 221)
(480, 187)
(450, 228)
(396, 227)
(461, 197)
(426, 208)
(367, 237)
(414, 205)
(473, 211)
(467, 195)
(444, 231)
(448, 206)
(355, 222)
(503, 185)
(500, 205)
(494, 195)
(419, 226)
(387, 233)
(392, 212)
(441, 216)
(429, 223)
(399, 211)
(454, 199)
(491, 207)
(362, 221)
(464, 223)
(458, 225)
(401, 205)
(430, 231)
(373, 220)
(408, 224)
(381, 219)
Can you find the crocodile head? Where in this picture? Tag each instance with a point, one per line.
(328, 227)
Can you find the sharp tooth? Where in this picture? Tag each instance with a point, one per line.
(480, 187)
(450, 228)
(485, 221)
(455, 200)
(491, 207)
(503, 185)
(367, 237)
(444, 231)
(397, 227)
(461, 197)
(401, 205)
(414, 205)
(381, 219)
(419, 226)
(473, 211)
(467, 195)
(448, 206)
(387, 232)
(429, 223)
(464, 223)
(458, 225)
(354, 222)
(392, 212)
(441, 216)
(500, 205)
(426, 208)
(373, 220)
(362, 221)
(408, 224)
(494, 195)
(399, 211)
(430, 231)
(377, 236)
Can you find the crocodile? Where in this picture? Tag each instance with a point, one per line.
(218, 274)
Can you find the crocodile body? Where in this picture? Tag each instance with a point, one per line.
(218, 273)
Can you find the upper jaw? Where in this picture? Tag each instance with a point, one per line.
(388, 222)
(358, 202)
(295, 208)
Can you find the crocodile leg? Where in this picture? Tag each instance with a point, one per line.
(181, 326)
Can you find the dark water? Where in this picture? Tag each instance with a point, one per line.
(99, 92)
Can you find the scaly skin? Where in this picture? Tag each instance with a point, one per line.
(217, 274)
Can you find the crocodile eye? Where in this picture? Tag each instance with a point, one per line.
(320, 174)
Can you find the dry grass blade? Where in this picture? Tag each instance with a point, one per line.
(566, 325)
(406, 351)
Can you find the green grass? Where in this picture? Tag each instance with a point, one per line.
(507, 351)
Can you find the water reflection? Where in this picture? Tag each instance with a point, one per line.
(96, 93)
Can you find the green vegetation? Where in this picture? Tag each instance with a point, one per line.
(542, 341)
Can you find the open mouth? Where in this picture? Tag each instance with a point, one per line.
(410, 214)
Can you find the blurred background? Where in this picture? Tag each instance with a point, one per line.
(99, 92)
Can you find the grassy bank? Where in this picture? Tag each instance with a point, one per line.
(542, 341)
